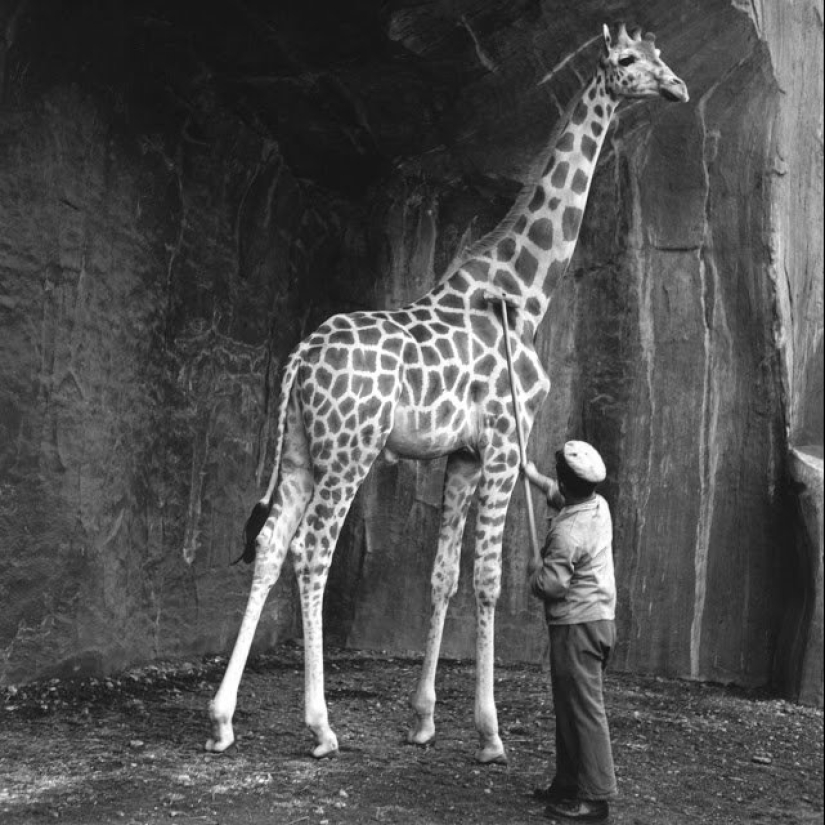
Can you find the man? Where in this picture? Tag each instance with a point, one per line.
(576, 582)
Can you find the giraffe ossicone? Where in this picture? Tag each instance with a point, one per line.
(428, 380)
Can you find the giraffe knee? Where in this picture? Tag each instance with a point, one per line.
(444, 584)
(487, 589)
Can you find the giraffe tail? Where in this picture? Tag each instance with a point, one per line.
(260, 512)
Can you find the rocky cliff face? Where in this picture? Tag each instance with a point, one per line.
(185, 195)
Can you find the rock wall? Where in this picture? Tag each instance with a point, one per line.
(185, 195)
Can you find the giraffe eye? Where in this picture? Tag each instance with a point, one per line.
(627, 61)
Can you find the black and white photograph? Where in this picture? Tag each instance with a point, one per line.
(411, 412)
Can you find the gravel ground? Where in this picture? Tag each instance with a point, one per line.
(130, 749)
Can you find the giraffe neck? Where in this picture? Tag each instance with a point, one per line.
(533, 254)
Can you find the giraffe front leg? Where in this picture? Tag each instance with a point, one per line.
(491, 748)
(461, 479)
(494, 496)
(422, 701)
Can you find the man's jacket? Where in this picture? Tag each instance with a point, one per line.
(576, 580)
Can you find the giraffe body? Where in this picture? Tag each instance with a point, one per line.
(428, 380)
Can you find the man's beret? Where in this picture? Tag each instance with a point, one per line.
(584, 461)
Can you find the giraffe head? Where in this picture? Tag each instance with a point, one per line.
(635, 70)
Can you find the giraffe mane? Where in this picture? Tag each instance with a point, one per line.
(488, 241)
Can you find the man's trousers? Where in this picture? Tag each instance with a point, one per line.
(584, 758)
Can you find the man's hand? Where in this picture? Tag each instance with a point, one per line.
(533, 565)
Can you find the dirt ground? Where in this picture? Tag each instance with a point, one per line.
(129, 749)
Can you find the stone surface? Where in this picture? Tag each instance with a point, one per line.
(802, 642)
(184, 194)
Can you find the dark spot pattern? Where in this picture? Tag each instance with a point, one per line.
(362, 385)
(579, 113)
(570, 222)
(520, 225)
(507, 283)
(445, 348)
(386, 384)
(323, 377)
(461, 342)
(579, 182)
(443, 414)
(596, 128)
(369, 337)
(541, 232)
(435, 389)
(526, 266)
(430, 356)
(455, 301)
(525, 368)
(459, 283)
(421, 333)
(486, 364)
(479, 391)
(478, 269)
(450, 375)
(566, 142)
(415, 380)
(555, 272)
(506, 249)
(452, 319)
(554, 203)
(589, 147)
(537, 201)
(485, 330)
(559, 175)
(364, 360)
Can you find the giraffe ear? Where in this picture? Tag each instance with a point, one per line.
(608, 41)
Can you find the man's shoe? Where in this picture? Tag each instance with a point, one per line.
(553, 793)
(579, 810)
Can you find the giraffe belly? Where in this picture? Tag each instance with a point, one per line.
(418, 433)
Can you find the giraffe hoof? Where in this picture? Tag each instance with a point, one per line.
(222, 734)
(491, 755)
(421, 738)
(326, 751)
(219, 745)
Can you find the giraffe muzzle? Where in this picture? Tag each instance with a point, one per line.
(674, 90)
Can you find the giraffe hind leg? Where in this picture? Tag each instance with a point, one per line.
(271, 543)
(312, 550)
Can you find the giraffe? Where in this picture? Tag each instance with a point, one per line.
(424, 381)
